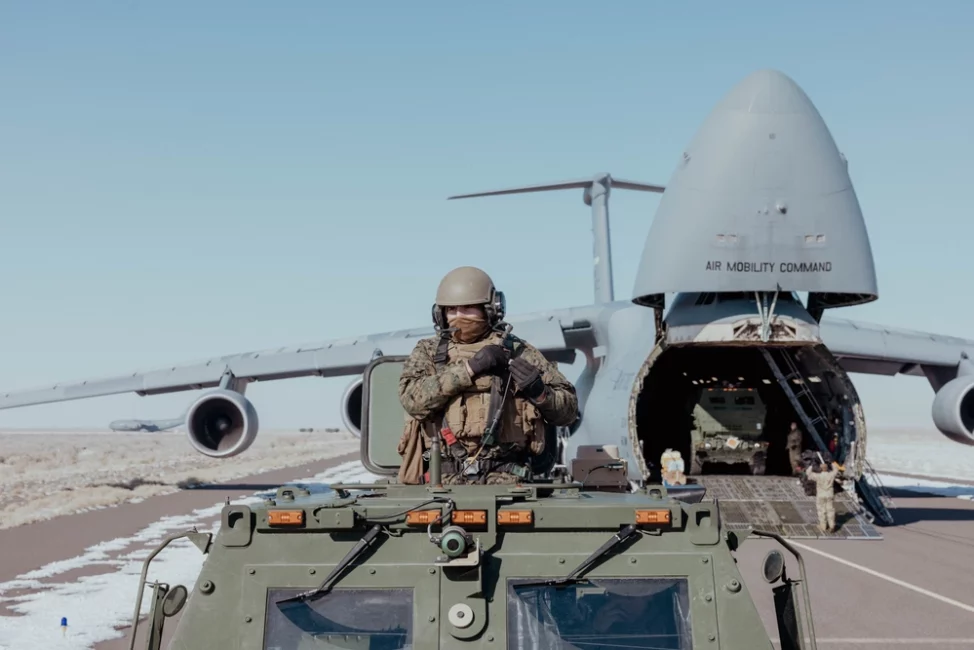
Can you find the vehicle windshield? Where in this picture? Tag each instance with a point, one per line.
(370, 619)
(649, 613)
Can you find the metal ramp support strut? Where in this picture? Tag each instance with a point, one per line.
(783, 381)
(869, 494)
(874, 494)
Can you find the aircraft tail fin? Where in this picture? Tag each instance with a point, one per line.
(597, 196)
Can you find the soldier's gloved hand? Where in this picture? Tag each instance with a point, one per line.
(527, 378)
(488, 360)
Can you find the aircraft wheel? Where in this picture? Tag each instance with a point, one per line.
(758, 465)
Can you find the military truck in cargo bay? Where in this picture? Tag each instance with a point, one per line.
(728, 427)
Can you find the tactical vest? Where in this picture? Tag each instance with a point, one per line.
(469, 413)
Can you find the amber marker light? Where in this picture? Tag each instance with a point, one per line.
(285, 517)
(514, 517)
(652, 516)
(470, 517)
(422, 517)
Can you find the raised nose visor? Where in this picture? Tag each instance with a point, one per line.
(760, 200)
(729, 318)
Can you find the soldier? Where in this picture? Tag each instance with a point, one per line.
(825, 494)
(456, 381)
(794, 446)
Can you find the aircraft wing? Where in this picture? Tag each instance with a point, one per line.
(545, 330)
(876, 349)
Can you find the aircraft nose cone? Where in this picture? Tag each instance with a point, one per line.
(760, 200)
(768, 92)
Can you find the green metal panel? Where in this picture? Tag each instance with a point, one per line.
(382, 415)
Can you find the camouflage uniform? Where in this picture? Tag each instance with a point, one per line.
(825, 497)
(431, 395)
(794, 446)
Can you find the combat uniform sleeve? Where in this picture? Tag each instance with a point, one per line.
(423, 390)
(560, 405)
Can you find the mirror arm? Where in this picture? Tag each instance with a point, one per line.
(804, 582)
(145, 571)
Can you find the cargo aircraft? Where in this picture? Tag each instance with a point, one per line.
(757, 234)
(149, 426)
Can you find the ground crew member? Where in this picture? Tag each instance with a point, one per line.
(825, 494)
(794, 446)
(454, 383)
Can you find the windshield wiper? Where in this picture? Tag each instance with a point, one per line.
(325, 587)
(572, 577)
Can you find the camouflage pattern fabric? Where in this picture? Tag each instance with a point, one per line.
(429, 393)
(493, 478)
(423, 390)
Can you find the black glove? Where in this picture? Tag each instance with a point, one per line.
(489, 359)
(527, 378)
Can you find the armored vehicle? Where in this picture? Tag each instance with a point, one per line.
(728, 427)
(580, 562)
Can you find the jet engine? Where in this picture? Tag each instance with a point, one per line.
(221, 423)
(352, 407)
(953, 410)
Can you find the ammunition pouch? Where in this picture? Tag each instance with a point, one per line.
(480, 468)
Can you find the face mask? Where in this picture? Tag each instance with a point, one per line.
(468, 329)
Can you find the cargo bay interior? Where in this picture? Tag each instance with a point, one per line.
(683, 375)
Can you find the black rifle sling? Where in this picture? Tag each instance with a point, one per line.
(498, 384)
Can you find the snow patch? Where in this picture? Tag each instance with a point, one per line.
(927, 486)
(96, 605)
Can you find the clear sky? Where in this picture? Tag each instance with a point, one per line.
(182, 180)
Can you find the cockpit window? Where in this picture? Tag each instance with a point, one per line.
(600, 613)
(372, 618)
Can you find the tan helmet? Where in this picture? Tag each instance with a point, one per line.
(468, 285)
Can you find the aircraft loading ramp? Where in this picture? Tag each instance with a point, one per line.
(778, 504)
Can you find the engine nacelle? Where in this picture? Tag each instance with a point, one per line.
(221, 423)
(953, 410)
(352, 408)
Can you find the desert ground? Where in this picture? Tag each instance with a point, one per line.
(44, 474)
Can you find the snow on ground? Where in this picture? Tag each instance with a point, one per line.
(925, 486)
(96, 605)
(75, 474)
(919, 451)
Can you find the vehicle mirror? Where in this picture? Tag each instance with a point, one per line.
(174, 601)
(774, 566)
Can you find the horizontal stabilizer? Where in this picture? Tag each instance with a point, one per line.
(567, 185)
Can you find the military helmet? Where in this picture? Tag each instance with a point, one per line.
(468, 285)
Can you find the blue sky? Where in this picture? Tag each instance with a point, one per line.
(179, 181)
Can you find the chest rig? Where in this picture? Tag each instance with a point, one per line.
(481, 431)
(473, 416)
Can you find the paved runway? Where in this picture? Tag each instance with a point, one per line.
(915, 588)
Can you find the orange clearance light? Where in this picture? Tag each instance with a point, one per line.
(652, 516)
(470, 517)
(422, 517)
(514, 517)
(285, 517)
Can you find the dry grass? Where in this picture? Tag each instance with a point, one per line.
(46, 474)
